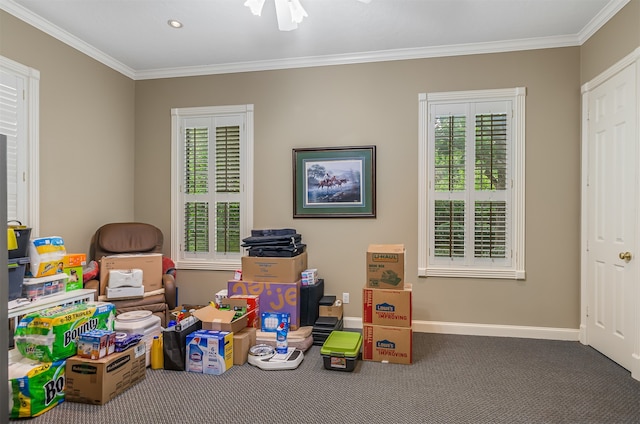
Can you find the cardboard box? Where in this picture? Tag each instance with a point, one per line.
(150, 264)
(253, 308)
(97, 381)
(209, 352)
(274, 297)
(125, 292)
(215, 319)
(96, 344)
(75, 281)
(385, 266)
(72, 260)
(242, 342)
(383, 343)
(273, 270)
(330, 311)
(387, 307)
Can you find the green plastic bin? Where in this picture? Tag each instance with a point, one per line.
(341, 350)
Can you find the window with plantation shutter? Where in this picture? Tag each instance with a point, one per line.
(212, 150)
(471, 218)
(19, 121)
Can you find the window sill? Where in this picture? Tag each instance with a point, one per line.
(505, 274)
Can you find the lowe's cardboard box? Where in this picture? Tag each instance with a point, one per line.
(383, 343)
(385, 266)
(149, 263)
(276, 270)
(387, 307)
(274, 297)
(97, 381)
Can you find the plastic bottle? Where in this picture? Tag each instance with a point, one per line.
(282, 345)
(157, 355)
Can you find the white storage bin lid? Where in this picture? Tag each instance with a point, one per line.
(137, 321)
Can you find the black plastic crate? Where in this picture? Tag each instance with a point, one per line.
(16, 276)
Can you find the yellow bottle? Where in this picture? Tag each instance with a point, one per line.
(157, 355)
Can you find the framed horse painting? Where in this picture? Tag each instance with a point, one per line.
(334, 182)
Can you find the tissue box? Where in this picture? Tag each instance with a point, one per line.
(96, 344)
(124, 292)
(125, 278)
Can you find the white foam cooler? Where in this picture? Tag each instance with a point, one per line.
(140, 322)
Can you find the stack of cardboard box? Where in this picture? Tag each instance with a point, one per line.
(387, 319)
(275, 280)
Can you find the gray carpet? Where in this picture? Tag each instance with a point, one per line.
(454, 379)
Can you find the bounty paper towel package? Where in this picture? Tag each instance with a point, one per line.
(50, 334)
(34, 387)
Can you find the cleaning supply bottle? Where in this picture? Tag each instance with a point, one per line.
(282, 345)
(157, 355)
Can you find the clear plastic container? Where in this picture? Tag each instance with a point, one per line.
(34, 288)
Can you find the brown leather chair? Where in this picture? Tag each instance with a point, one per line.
(134, 237)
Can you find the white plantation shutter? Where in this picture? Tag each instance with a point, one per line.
(196, 189)
(228, 235)
(212, 149)
(12, 124)
(19, 121)
(472, 148)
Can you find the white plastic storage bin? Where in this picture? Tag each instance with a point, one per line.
(140, 322)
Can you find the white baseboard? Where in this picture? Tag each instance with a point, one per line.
(547, 333)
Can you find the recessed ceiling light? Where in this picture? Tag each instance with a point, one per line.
(174, 24)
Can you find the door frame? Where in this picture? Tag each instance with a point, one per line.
(633, 57)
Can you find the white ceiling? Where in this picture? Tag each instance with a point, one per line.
(220, 36)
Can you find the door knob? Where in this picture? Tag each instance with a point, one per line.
(625, 256)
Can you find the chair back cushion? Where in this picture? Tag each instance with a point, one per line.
(125, 237)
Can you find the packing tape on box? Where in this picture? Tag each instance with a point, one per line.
(338, 303)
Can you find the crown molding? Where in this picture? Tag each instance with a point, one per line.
(366, 57)
(613, 7)
(27, 16)
(58, 33)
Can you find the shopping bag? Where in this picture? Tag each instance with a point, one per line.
(174, 345)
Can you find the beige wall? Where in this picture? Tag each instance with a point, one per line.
(86, 135)
(619, 37)
(120, 130)
(378, 104)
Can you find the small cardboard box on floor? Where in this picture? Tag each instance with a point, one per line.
(334, 310)
(149, 263)
(219, 320)
(242, 342)
(387, 307)
(383, 343)
(97, 381)
(385, 266)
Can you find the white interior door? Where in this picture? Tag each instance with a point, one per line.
(611, 218)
